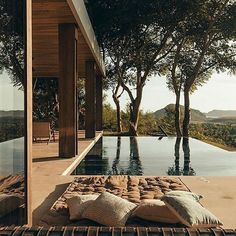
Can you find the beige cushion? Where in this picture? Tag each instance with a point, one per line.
(190, 212)
(179, 193)
(109, 210)
(9, 203)
(78, 204)
(155, 210)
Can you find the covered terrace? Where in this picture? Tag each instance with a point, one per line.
(64, 47)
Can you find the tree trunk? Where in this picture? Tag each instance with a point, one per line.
(186, 149)
(116, 161)
(118, 113)
(186, 120)
(134, 150)
(177, 149)
(135, 165)
(134, 112)
(177, 116)
(134, 118)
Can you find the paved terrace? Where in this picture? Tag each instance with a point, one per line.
(219, 196)
(219, 193)
(49, 179)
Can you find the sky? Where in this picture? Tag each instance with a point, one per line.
(218, 93)
(10, 97)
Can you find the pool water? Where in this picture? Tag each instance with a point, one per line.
(12, 157)
(154, 156)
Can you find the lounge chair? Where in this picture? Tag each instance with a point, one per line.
(42, 130)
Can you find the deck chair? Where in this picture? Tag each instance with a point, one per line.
(42, 130)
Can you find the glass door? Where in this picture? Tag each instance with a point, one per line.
(12, 112)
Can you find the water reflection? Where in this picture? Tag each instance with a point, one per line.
(115, 164)
(94, 163)
(135, 164)
(177, 147)
(100, 160)
(12, 119)
(187, 169)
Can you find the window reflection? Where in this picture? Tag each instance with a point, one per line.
(12, 118)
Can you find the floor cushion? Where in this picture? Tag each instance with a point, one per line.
(190, 212)
(109, 210)
(9, 203)
(155, 210)
(78, 204)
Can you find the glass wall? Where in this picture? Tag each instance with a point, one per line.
(12, 113)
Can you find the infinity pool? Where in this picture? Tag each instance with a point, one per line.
(154, 156)
(12, 157)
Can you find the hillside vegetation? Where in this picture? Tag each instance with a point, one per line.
(221, 113)
(196, 115)
(219, 131)
(12, 113)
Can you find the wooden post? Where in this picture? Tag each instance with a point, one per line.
(29, 110)
(99, 90)
(67, 90)
(90, 100)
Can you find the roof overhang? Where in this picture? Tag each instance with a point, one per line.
(46, 16)
(80, 13)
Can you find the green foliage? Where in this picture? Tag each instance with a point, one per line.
(196, 115)
(12, 41)
(147, 123)
(222, 133)
(167, 121)
(219, 133)
(109, 118)
(11, 128)
(136, 37)
(185, 40)
(45, 100)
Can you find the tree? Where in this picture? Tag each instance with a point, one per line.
(136, 36)
(175, 81)
(112, 82)
(45, 104)
(109, 114)
(12, 41)
(116, 96)
(212, 46)
(204, 43)
(177, 62)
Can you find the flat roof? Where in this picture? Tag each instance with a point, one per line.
(81, 15)
(46, 16)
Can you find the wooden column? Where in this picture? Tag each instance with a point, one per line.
(29, 110)
(99, 106)
(67, 90)
(90, 100)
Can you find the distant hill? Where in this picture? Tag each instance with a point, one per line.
(223, 120)
(221, 113)
(13, 113)
(196, 115)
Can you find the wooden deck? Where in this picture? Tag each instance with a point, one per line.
(119, 231)
(48, 181)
